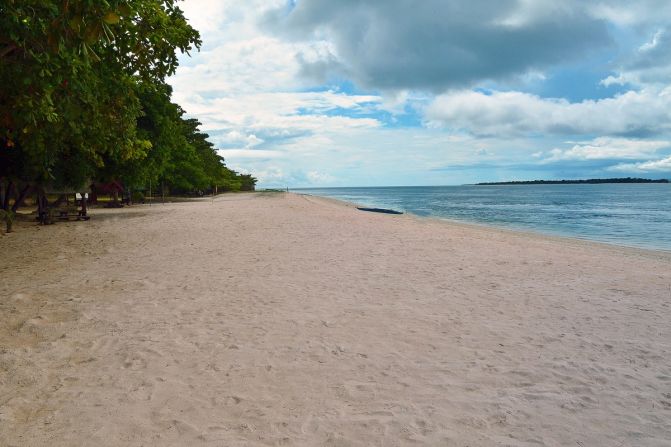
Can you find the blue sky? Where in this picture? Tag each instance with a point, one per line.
(368, 93)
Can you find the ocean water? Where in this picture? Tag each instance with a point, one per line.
(636, 215)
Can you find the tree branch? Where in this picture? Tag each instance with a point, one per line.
(8, 49)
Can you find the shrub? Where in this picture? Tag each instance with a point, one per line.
(137, 197)
(8, 218)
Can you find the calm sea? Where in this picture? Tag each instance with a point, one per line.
(637, 215)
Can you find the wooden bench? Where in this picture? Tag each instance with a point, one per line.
(62, 212)
(67, 212)
(63, 209)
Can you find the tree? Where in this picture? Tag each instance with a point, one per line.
(180, 158)
(70, 74)
(248, 182)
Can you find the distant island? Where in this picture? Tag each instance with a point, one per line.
(573, 182)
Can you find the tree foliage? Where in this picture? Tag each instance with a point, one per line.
(83, 94)
(181, 158)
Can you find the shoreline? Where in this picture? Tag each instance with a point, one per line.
(634, 249)
(282, 319)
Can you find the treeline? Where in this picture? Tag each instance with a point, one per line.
(574, 182)
(181, 160)
(83, 99)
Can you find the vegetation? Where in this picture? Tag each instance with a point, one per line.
(572, 182)
(8, 218)
(84, 98)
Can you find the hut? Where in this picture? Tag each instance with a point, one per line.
(113, 189)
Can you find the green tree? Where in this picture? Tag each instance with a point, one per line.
(70, 74)
(248, 182)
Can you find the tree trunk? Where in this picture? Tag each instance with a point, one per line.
(8, 224)
(2, 192)
(42, 207)
(8, 194)
(22, 196)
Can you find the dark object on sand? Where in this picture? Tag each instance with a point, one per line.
(380, 210)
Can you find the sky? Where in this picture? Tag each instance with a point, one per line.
(324, 93)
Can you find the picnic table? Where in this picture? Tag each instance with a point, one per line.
(64, 210)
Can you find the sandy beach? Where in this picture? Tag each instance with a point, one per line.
(280, 319)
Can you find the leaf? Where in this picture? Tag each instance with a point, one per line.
(111, 18)
(93, 33)
(109, 35)
(92, 54)
(125, 10)
(75, 23)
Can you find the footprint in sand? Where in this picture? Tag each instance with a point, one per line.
(134, 363)
(103, 346)
(21, 297)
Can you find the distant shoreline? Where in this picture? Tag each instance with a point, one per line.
(574, 182)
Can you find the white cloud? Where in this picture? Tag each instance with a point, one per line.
(628, 13)
(266, 122)
(516, 113)
(620, 79)
(649, 64)
(663, 165)
(652, 44)
(218, 19)
(320, 178)
(278, 109)
(271, 176)
(245, 154)
(237, 138)
(609, 149)
(256, 64)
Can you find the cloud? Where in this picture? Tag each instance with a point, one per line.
(647, 112)
(320, 178)
(256, 64)
(650, 63)
(438, 44)
(267, 119)
(609, 149)
(235, 138)
(246, 108)
(271, 176)
(628, 13)
(219, 20)
(663, 165)
(245, 154)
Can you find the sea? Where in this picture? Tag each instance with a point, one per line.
(634, 215)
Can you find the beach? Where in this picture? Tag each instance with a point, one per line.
(273, 319)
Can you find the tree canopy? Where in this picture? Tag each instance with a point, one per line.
(83, 96)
